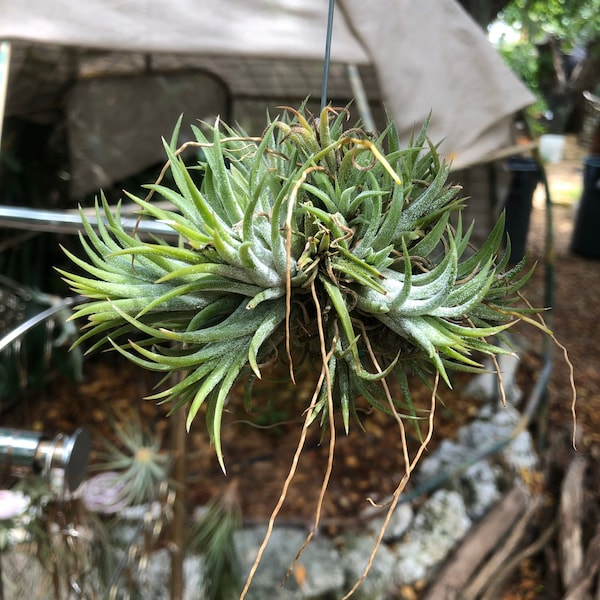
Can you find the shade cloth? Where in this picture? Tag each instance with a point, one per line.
(429, 56)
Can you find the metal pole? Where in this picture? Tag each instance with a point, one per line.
(54, 221)
(4, 69)
(19, 331)
(549, 285)
(327, 54)
(362, 103)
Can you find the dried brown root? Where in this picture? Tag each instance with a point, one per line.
(410, 466)
(288, 480)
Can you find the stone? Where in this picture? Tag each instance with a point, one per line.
(518, 454)
(355, 554)
(193, 578)
(439, 525)
(486, 385)
(399, 521)
(318, 573)
(132, 522)
(481, 487)
(479, 484)
(154, 578)
(23, 576)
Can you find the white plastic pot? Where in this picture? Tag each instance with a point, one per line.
(552, 147)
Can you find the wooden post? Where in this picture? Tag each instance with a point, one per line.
(178, 446)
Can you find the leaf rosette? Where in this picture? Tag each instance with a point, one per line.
(310, 239)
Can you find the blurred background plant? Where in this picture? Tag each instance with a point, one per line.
(35, 336)
(212, 535)
(96, 542)
(135, 465)
(50, 546)
(554, 46)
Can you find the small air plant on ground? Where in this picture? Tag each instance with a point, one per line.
(133, 472)
(134, 487)
(311, 242)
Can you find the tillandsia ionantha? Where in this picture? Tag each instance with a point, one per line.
(310, 240)
(310, 236)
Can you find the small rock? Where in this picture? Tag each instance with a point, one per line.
(478, 484)
(486, 385)
(193, 577)
(399, 521)
(154, 578)
(319, 571)
(518, 454)
(438, 526)
(355, 554)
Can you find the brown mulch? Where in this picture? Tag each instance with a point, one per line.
(368, 464)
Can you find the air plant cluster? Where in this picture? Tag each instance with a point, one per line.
(311, 241)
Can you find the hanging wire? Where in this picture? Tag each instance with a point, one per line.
(327, 54)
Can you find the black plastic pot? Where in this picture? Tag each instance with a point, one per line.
(525, 178)
(586, 234)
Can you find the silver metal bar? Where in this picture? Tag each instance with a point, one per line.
(4, 71)
(66, 222)
(33, 452)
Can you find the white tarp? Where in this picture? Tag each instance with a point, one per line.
(428, 54)
(431, 57)
(263, 28)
